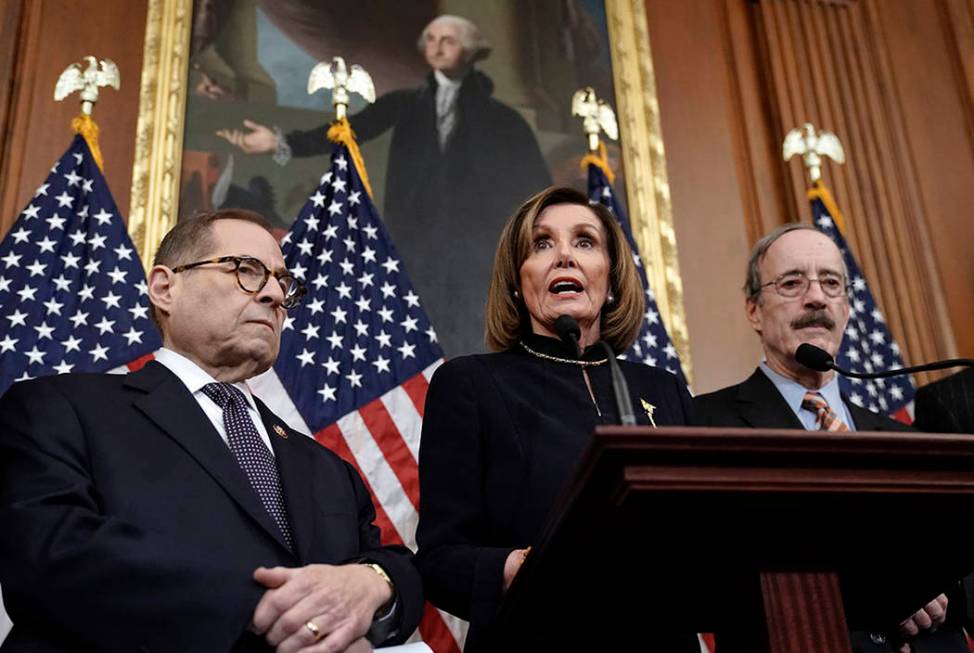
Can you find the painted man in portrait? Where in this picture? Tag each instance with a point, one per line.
(459, 162)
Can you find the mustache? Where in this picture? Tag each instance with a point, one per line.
(812, 318)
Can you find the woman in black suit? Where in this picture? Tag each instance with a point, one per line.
(503, 432)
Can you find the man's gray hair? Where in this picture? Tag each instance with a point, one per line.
(752, 284)
(474, 44)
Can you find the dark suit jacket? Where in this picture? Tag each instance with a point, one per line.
(757, 403)
(502, 435)
(129, 526)
(947, 405)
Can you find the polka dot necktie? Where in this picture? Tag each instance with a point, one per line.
(827, 420)
(252, 454)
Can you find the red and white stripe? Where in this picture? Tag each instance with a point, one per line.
(381, 440)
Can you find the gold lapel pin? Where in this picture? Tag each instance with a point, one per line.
(650, 409)
(280, 431)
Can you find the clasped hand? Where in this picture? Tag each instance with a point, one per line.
(929, 617)
(318, 608)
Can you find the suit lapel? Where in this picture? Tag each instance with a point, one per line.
(959, 399)
(866, 420)
(294, 467)
(167, 402)
(762, 406)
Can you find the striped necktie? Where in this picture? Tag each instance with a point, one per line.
(826, 420)
(251, 453)
(446, 112)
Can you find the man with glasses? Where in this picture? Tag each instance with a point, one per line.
(796, 292)
(169, 509)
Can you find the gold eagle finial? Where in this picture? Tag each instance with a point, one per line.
(596, 115)
(342, 81)
(97, 74)
(812, 146)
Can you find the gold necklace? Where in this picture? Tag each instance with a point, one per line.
(568, 361)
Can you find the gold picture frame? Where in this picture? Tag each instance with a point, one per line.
(162, 106)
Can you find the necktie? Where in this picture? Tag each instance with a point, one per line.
(446, 112)
(252, 454)
(827, 419)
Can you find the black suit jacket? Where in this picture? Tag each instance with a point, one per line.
(129, 526)
(502, 435)
(757, 403)
(947, 405)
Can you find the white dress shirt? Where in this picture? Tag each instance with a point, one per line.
(447, 94)
(194, 378)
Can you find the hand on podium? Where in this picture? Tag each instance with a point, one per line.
(513, 564)
(929, 617)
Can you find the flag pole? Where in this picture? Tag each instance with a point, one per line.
(86, 83)
(811, 145)
(81, 303)
(597, 117)
(344, 80)
(653, 345)
(867, 343)
(359, 391)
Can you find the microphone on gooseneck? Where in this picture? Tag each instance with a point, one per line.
(814, 358)
(820, 360)
(567, 329)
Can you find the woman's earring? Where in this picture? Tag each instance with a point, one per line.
(611, 299)
(516, 293)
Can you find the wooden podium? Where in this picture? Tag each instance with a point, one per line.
(783, 539)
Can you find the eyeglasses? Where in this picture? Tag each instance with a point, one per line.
(796, 284)
(252, 276)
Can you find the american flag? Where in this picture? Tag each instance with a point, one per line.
(653, 345)
(356, 357)
(73, 295)
(867, 345)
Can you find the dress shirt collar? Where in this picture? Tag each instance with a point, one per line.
(193, 376)
(794, 393)
(444, 81)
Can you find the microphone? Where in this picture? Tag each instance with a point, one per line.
(814, 358)
(567, 329)
(818, 359)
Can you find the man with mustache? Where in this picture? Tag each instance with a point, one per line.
(796, 292)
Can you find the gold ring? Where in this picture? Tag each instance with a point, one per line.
(315, 631)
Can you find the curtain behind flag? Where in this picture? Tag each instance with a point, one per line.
(73, 296)
(867, 345)
(652, 346)
(356, 357)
